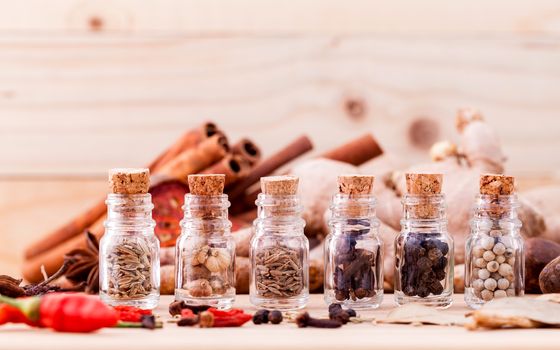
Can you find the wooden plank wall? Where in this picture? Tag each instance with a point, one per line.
(88, 85)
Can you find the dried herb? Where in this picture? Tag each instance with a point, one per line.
(279, 272)
(84, 266)
(130, 267)
(10, 287)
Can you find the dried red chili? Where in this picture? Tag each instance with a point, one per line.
(131, 313)
(232, 318)
(10, 314)
(65, 312)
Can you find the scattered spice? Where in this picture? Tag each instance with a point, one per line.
(178, 306)
(131, 314)
(336, 312)
(84, 265)
(304, 320)
(11, 287)
(279, 271)
(206, 319)
(275, 317)
(261, 316)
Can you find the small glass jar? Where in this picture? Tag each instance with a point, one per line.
(129, 253)
(424, 253)
(353, 253)
(279, 254)
(205, 253)
(494, 259)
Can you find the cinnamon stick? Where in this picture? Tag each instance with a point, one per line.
(77, 226)
(196, 159)
(233, 166)
(248, 150)
(293, 150)
(188, 162)
(189, 140)
(357, 151)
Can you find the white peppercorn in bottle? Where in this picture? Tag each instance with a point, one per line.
(424, 248)
(494, 258)
(279, 251)
(129, 250)
(205, 250)
(353, 249)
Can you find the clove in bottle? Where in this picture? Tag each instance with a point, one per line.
(494, 259)
(424, 248)
(129, 250)
(279, 251)
(353, 249)
(205, 250)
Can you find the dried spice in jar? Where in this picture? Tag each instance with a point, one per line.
(353, 249)
(129, 250)
(279, 248)
(205, 263)
(424, 249)
(494, 264)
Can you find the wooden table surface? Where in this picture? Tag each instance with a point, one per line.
(287, 336)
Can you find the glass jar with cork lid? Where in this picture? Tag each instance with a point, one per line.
(494, 258)
(205, 251)
(353, 249)
(424, 248)
(279, 251)
(129, 250)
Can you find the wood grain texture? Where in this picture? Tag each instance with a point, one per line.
(287, 336)
(264, 17)
(79, 104)
(29, 209)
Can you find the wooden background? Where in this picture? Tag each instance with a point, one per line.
(88, 85)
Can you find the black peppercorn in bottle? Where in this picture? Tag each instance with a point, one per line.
(494, 259)
(353, 249)
(424, 249)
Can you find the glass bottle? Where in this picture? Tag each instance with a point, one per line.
(424, 249)
(279, 249)
(353, 249)
(129, 250)
(205, 251)
(494, 259)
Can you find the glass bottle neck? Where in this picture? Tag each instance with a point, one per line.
(206, 214)
(424, 213)
(129, 211)
(353, 214)
(279, 214)
(496, 212)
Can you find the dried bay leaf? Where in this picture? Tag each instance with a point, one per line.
(415, 314)
(517, 313)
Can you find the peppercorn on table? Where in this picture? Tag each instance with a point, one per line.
(285, 336)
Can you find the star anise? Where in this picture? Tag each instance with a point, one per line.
(84, 265)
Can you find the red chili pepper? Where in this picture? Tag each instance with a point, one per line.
(187, 313)
(231, 318)
(131, 313)
(231, 321)
(10, 314)
(222, 313)
(65, 312)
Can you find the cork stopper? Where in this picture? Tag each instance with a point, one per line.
(424, 184)
(279, 185)
(497, 185)
(129, 180)
(207, 184)
(354, 184)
